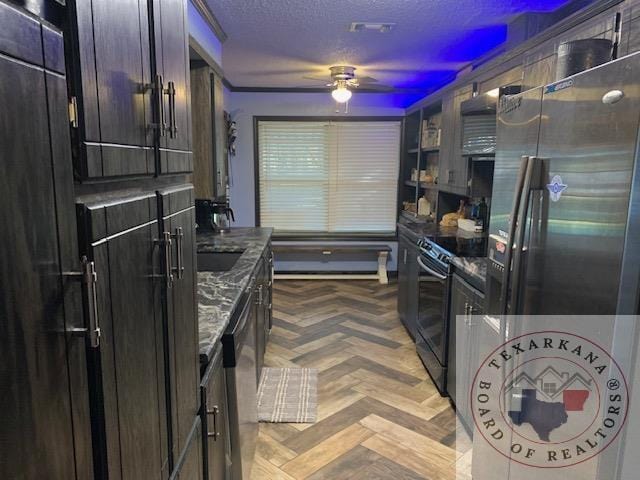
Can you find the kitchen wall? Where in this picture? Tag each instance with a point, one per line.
(243, 106)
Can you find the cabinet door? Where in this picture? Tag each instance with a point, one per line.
(413, 288)
(269, 294)
(445, 175)
(402, 278)
(177, 211)
(261, 317)
(458, 370)
(459, 165)
(127, 369)
(112, 50)
(464, 338)
(190, 465)
(172, 63)
(38, 307)
(220, 132)
(215, 420)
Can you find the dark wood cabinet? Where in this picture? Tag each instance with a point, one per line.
(112, 88)
(408, 284)
(262, 323)
(171, 53)
(453, 167)
(190, 464)
(99, 352)
(131, 86)
(466, 301)
(264, 307)
(269, 293)
(43, 380)
(215, 420)
(127, 366)
(177, 233)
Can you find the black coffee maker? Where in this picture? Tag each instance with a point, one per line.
(214, 215)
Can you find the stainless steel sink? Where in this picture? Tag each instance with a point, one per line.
(217, 261)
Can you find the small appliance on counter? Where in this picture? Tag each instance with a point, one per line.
(214, 215)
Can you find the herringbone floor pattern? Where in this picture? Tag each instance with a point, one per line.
(379, 415)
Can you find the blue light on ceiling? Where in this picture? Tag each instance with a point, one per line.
(475, 43)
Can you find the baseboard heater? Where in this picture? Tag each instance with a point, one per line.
(381, 250)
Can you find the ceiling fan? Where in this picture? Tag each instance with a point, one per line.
(343, 80)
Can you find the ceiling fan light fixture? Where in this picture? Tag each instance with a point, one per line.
(341, 94)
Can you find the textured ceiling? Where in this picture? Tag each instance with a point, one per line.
(274, 43)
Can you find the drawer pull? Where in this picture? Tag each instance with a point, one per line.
(214, 411)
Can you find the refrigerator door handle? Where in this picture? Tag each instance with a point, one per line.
(511, 234)
(532, 182)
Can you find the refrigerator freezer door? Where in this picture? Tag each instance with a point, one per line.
(517, 136)
(577, 223)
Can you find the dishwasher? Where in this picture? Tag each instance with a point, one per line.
(239, 360)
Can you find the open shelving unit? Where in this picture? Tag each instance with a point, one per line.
(420, 162)
(448, 152)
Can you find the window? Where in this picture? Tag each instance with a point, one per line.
(329, 177)
(549, 388)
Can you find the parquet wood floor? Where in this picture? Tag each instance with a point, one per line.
(379, 414)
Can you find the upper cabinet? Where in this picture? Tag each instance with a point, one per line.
(172, 74)
(111, 88)
(454, 169)
(209, 132)
(130, 88)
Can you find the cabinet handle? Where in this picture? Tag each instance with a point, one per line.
(260, 300)
(405, 257)
(466, 313)
(214, 411)
(171, 91)
(159, 92)
(470, 322)
(179, 236)
(88, 276)
(165, 243)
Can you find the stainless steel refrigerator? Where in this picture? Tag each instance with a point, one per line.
(565, 216)
(565, 207)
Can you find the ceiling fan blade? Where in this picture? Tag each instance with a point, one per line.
(318, 78)
(376, 86)
(324, 85)
(366, 79)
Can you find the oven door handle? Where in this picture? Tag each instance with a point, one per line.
(431, 271)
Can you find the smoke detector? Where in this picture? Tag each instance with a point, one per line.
(371, 27)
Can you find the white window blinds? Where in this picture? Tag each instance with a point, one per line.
(328, 176)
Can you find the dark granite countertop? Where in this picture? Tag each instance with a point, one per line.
(473, 270)
(220, 292)
(433, 230)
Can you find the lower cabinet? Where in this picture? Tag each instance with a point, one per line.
(466, 301)
(264, 307)
(189, 465)
(177, 242)
(262, 322)
(229, 384)
(408, 284)
(215, 420)
(126, 361)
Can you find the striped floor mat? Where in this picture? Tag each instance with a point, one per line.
(288, 395)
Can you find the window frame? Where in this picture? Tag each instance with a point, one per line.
(320, 235)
